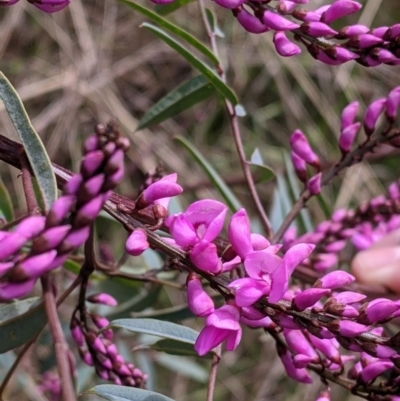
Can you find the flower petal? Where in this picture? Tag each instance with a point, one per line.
(260, 263)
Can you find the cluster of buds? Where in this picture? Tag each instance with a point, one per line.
(313, 28)
(96, 348)
(303, 155)
(50, 385)
(362, 226)
(154, 198)
(311, 325)
(268, 274)
(48, 6)
(39, 244)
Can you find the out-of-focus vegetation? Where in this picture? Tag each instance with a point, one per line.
(92, 61)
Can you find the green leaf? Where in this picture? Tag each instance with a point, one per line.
(213, 24)
(263, 172)
(185, 96)
(183, 366)
(6, 207)
(205, 69)
(113, 392)
(172, 314)
(158, 328)
(171, 7)
(324, 206)
(174, 29)
(304, 216)
(229, 197)
(135, 304)
(33, 145)
(281, 204)
(173, 347)
(20, 322)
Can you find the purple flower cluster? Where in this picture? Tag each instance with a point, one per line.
(97, 349)
(313, 28)
(303, 155)
(48, 6)
(39, 244)
(362, 227)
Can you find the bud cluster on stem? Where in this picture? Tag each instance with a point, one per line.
(39, 244)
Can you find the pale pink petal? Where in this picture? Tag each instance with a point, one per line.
(233, 339)
(208, 339)
(239, 233)
(183, 231)
(248, 290)
(259, 263)
(204, 256)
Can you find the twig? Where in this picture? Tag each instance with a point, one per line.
(26, 347)
(348, 160)
(234, 123)
(60, 345)
(213, 373)
(29, 192)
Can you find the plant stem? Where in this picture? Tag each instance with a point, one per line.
(348, 160)
(213, 373)
(60, 345)
(234, 123)
(29, 192)
(26, 347)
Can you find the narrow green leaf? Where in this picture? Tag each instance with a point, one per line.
(112, 392)
(304, 216)
(158, 328)
(324, 206)
(31, 141)
(171, 7)
(6, 207)
(174, 29)
(281, 204)
(263, 172)
(213, 23)
(174, 347)
(135, 304)
(20, 322)
(206, 70)
(184, 366)
(185, 96)
(226, 193)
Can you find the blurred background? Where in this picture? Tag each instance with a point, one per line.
(92, 61)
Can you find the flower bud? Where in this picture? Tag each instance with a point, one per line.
(137, 243)
(200, 303)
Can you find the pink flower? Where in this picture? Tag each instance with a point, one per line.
(137, 243)
(196, 228)
(276, 271)
(203, 220)
(160, 192)
(242, 240)
(222, 324)
(200, 303)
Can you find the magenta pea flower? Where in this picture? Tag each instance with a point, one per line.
(222, 324)
(196, 228)
(243, 241)
(203, 220)
(274, 270)
(199, 302)
(137, 243)
(50, 6)
(160, 192)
